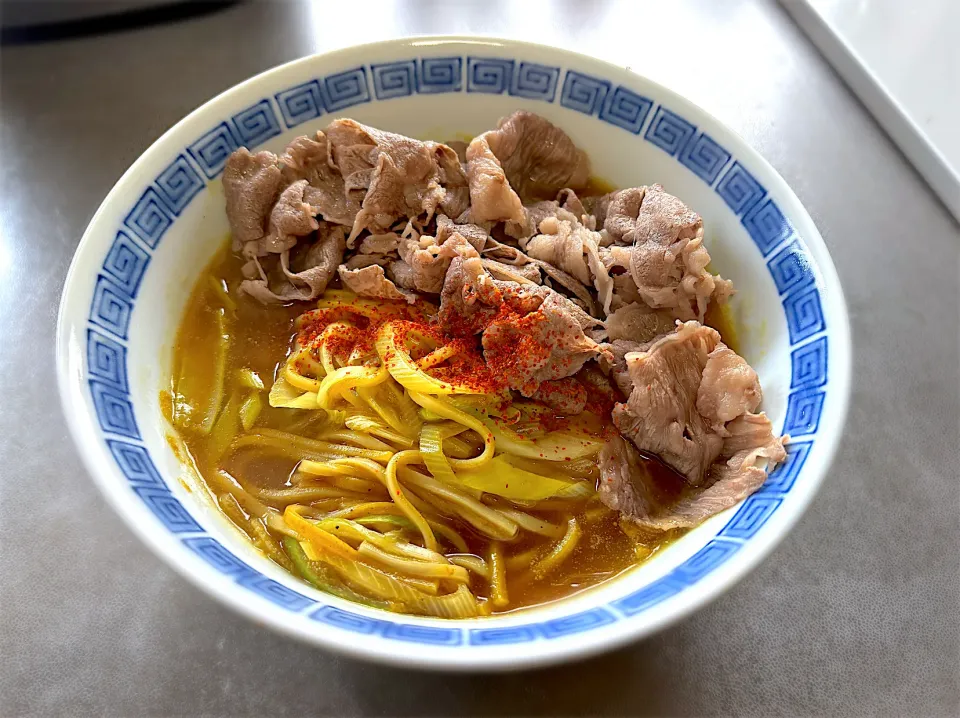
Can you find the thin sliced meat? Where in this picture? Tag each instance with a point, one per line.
(657, 502)
(548, 343)
(251, 184)
(638, 323)
(290, 219)
(660, 415)
(453, 178)
(401, 274)
(538, 158)
(562, 245)
(613, 361)
(616, 260)
(402, 177)
(470, 298)
(569, 201)
(359, 261)
(750, 452)
(629, 485)
(306, 270)
(533, 215)
(565, 396)
(372, 282)
(619, 211)
(729, 387)
(511, 255)
(597, 207)
(491, 197)
(668, 260)
(506, 253)
(308, 159)
(570, 283)
(428, 260)
(566, 206)
(473, 233)
(379, 243)
(568, 245)
(686, 389)
(521, 274)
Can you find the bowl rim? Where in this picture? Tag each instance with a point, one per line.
(82, 423)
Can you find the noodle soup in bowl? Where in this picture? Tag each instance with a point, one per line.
(153, 250)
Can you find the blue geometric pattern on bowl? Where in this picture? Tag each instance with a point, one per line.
(584, 93)
(178, 184)
(301, 103)
(790, 268)
(491, 75)
(158, 207)
(670, 132)
(739, 189)
(126, 263)
(625, 108)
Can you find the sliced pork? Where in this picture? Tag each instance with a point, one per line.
(473, 233)
(307, 159)
(470, 297)
(492, 199)
(656, 501)
(570, 246)
(565, 396)
(538, 158)
(685, 390)
(660, 415)
(370, 281)
(527, 348)
(668, 260)
(519, 273)
(428, 259)
(251, 184)
(638, 323)
(305, 271)
(402, 177)
(290, 219)
(566, 206)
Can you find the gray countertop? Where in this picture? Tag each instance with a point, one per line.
(856, 613)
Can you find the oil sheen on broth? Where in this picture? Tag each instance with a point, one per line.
(259, 342)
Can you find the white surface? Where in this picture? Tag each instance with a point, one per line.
(903, 61)
(619, 157)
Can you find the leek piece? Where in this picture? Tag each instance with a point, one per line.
(318, 575)
(431, 452)
(485, 519)
(472, 563)
(428, 415)
(532, 523)
(459, 604)
(222, 291)
(250, 410)
(553, 447)
(250, 379)
(348, 377)
(199, 388)
(448, 411)
(225, 428)
(284, 395)
(502, 478)
(498, 576)
(559, 553)
(401, 365)
(412, 567)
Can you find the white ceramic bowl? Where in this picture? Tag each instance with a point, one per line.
(164, 219)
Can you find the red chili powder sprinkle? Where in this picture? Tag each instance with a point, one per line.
(466, 368)
(519, 344)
